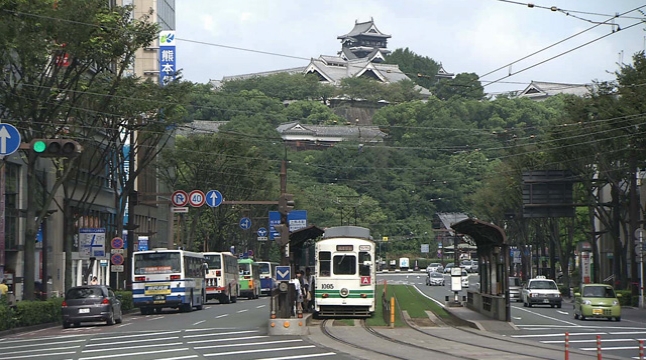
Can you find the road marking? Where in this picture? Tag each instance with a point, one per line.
(136, 341)
(243, 310)
(199, 322)
(34, 355)
(222, 333)
(40, 344)
(517, 318)
(103, 356)
(221, 316)
(548, 317)
(129, 347)
(136, 335)
(255, 343)
(612, 348)
(260, 306)
(258, 350)
(585, 341)
(627, 332)
(228, 339)
(562, 312)
(299, 356)
(122, 325)
(554, 335)
(179, 357)
(39, 350)
(156, 318)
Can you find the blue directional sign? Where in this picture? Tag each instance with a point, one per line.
(214, 198)
(245, 223)
(9, 139)
(283, 273)
(262, 232)
(297, 219)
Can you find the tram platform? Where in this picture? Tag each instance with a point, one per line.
(290, 326)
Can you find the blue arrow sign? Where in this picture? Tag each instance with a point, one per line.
(245, 223)
(9, 139)
(214, 198)
(282, 273)
(262, 232)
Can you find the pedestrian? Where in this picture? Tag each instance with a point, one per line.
(311, 289)
(94, 281)
(305, 288)
(4, 289)
(299, 295)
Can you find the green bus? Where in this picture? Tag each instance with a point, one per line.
(249, 278)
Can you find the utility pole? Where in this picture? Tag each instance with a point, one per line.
(132, 202)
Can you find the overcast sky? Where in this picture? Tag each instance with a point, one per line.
(464, 35)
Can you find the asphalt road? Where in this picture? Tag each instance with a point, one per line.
(549, 325)
(232, 331)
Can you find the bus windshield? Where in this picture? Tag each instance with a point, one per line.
(264, 268)
(157, 263)
(214, 261)
(245, 269)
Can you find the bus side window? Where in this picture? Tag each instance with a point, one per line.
(325, 260)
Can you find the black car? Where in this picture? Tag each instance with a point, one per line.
(91, 303)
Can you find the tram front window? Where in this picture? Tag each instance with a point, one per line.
(364, 270)
(324, 263)
(345, 264)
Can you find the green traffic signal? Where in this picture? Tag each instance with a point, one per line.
(39, 146)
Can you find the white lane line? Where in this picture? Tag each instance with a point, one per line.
(221, 316)
(199, 322)
(40, 344)
(548, 317)
(179, 357)
(156, 318)
(39, 350)
(258, 350)
(611, 348)
(517, 318)
(260, 306)
(135, 341)
(122, 325)
(627, 332)
(103, 356)
(299, 356)
(39, 355)
(586, 341)
(104, 349)
(255, 343)
(227, 339)
(562, 312)
(222, 333)
(148, 334)
(555, 335)
(243, 310)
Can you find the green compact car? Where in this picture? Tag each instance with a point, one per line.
(597, 301)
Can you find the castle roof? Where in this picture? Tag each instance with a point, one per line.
(367, 28)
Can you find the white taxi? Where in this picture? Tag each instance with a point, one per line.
(541, 291)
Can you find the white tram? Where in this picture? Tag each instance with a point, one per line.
(345, 273)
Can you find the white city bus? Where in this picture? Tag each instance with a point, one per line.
(222, 277)
(163, 278)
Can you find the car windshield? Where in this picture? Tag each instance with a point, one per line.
(598, 291)
(434, 265)
(437, 275)
(543, 284)
(84, 293)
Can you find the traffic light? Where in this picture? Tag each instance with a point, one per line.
(283, 234)
(285, 203)
(64, 148)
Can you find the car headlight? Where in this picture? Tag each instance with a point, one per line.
(615, 302)
(587, 302)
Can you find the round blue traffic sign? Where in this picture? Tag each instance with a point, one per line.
(214, 198)
(9, 139)
(245, 223)
(117, 259)
(262, 232)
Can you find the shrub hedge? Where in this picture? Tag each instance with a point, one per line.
(28, 313)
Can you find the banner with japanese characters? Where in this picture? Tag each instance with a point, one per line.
(167, 59)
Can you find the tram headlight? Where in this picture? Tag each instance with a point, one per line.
(344, 292)
(363, 296)
(325, 295)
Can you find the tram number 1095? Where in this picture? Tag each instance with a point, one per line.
(327, 286)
